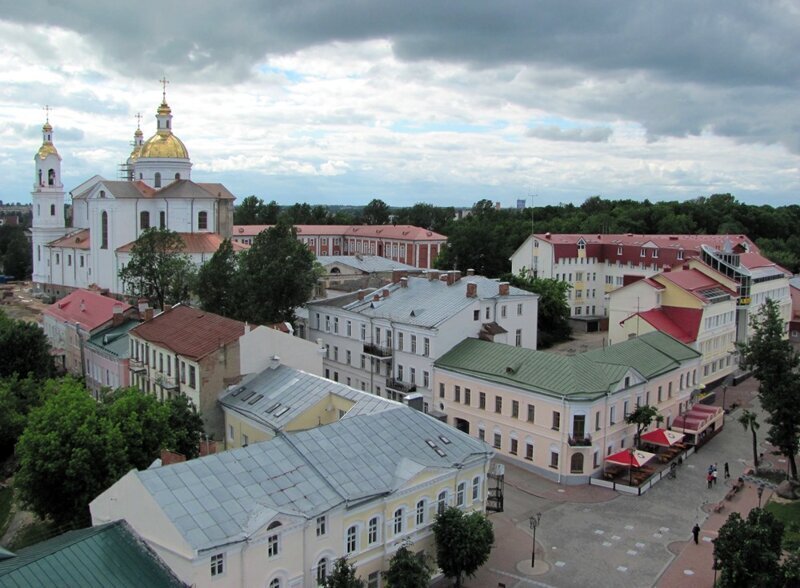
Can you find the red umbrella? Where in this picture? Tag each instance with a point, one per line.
(635, 458)
(662, 437)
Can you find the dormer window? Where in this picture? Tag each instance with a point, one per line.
(642, 253)
(619, 250)
(581, 245)
(655, 254)
(680, 254)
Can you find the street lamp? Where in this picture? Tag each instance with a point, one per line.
(760, 491)
(716, 567)
(534, 520)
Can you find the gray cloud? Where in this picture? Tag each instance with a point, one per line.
(586, 135)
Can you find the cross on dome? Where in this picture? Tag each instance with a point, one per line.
(47, 110)
(164, 81)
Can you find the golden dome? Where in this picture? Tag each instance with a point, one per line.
(164, 145)
(47, 128)
(47, 149)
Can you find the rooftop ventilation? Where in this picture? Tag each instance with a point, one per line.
(282, 411)
(256, 399)
(445, 440)
(238, 391)
(273, 407)
(440, 452)
(249, 395)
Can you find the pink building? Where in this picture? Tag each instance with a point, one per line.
(107, 355)
(402, 243)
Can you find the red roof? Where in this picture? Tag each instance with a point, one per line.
(76, 240)
(88, 309)
(694, 281)
(661, 241)
(194, 243)
(399, 232)
(681, 323)
(189, 331)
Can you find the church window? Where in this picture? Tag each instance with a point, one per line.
(140, 175)
(162, 220)
(157, 183)
(40, 178)
(52, 210)
(51, 177)
(104, 230)
(202, 220)
(144, 220)
(177, 176)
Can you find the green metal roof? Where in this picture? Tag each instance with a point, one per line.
(107, 555)
(114, 340)
(580, 377)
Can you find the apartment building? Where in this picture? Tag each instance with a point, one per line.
(279, 513)
(560, 416)
(106, 355)
(385, 341)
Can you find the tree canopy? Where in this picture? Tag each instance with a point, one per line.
(16, 253)
(642, 416)
(749, 550)
(343, 575)
(408, 570)
(553, 309)
(158, 268)
(463, 542)
(217, 282)
(24, 349)
(375, 213)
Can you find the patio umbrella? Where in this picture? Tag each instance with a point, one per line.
(662, 437)
(626, 457)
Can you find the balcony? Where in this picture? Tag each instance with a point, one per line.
(377, 351)
(166, 382)
(136, 366)
(580, 440)
(399, 386)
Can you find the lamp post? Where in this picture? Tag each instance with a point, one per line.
(716, 567)
(534, 520)
(724, 391)
(760, 491)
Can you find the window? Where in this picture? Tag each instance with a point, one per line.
(625, 408)
(498, 404)
(352, 535)
(162, 220)
(476, 315)
(482, 400)
(400, 341)
(441, 501)
(487, 313)
(456, 393)
(531, 413)
(426, 379)
(349, 328)
(556, 420)
(467, 396)
(642, 253)
(514, 446)
(612, 415)
(498, 440)
(519, 309)
(202, 220)
(348, 356)
(518, 338)
(426, 347)
(363, 332)
(157, 182)
(104, 230)
(191, 376)
(400, 372)
(481, 434)
(217, 564)
(336, 325)
(321, 525)
(503, 311)
(275, 583)
(81, 260)
(420, 519)
(441, 390)
(273, 545)
(144, 220)
(576, 463)
(372, 530)
(373, 580)
(413, 375)
(398, 521)
(515, 409)
(461, 494)
(554, 459)
(476, 488)
(529, 451)
(597, 421)
(322, 570)
(413, 343)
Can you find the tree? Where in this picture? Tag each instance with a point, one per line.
(749, 550)
(276, 275)
(791, 569)
(748, 421)
(216, 281)
(24, 349)
(69, 453)
(18, 256)
(463, 542)
(343, 575)
(158, 268)
(375, 213)
(186, 425)
(553, 309)
(408, 570)
(774, 363)
(253, 211)
(12, 421)
(642, 417)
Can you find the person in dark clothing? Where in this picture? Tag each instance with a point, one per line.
(696, 533)
(727, 471)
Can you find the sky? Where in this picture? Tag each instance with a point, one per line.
(445, 102)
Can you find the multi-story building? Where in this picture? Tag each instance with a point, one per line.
(402, 243)
(385, 341)
(595, 265)
(355, 272)
(279, 513)
(560, 416)
(794, 323)
(70, 322)
(106, 354)
(696, 308)
(188, 351)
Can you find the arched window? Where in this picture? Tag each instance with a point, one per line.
(275, 583)
(144, 220)
(461, 494)
(41, 183)
(51, 177)
(398, 521)
(273, 543)
(352, 540)
(441, 501)
(576, 463)
(104, 230)
(102, 193)
(157, 182)
(372, 530)
(202, 220)
(177, 176)
(322, 570)
(420, 520)
(52, 210)
(476, 488)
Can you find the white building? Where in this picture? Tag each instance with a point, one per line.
(108, 216)
(385, 341)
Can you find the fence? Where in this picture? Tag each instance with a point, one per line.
(624, 488)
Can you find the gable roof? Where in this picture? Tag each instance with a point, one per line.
(113, 340)
(366, 263)
(75, 240)
(106, 555)
(670, 241)
(189, 331)
(85, 308)
(681, 323)
(397, 232)
(697, 283)
(194, 243)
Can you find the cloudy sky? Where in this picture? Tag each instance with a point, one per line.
(416, 100)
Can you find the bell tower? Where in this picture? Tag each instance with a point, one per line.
(47, 197)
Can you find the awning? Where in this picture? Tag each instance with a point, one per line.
(626, 457)
(662, 437)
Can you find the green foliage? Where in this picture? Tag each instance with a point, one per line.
(642, 417)
(69, 453)
(375, 213)
(158, 268)
(143, 422)
(343, 575)
(15, 252)
(427, 216)
(216, 281)
(408, 570)
(12, 420)
(774, 363)
(463, 542)
(6, 498)
(24, 349)
(253, 211)
(790, 570)
(749, 550)
(789, 514)
(749, 420)
(186, 425)
(553, 311)
(276, 275)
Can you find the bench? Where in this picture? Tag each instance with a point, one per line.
(718, 506)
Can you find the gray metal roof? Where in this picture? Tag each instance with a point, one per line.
(276, 396)
(113, 340)
(228, 496)
(366, 263)
(424, 302)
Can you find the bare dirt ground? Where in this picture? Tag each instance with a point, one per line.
(22, 305)
(581, 342)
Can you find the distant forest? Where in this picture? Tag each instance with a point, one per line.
(486, 238)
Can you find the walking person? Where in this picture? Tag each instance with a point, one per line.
(714, 477)
(709, 479)
(727, 471)
(696, 533)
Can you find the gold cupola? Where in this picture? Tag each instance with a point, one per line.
(47, 147)
(164, 144)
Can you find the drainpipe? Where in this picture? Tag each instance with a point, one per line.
(605, 434)
(563, 430)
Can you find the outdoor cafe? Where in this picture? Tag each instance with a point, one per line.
(700, 423)
(635, 467)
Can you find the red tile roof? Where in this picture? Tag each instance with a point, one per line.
(189, 331)
(85, 308)
(76, 240)
(194, 243)
(681, 323)
(399, 232)
(694, 281)
(661, 241)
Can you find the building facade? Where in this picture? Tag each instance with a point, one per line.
(385, 341)
(106, 355)
(560, 416)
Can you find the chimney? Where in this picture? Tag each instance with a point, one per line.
(246, 327)
(472, 290)
(376, 297)
(148, 313)
(470, 272)
(667, 268)
(686, 266)
(361, 294)
(547, 236)
(116, 317)
(143, 304)
(502, 289)
(83, 305)
(274, 362)
(433, 275)
(385, 293)
(456, 275)
(396, 275)
(404, 282)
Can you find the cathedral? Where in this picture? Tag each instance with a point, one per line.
(155, 190)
